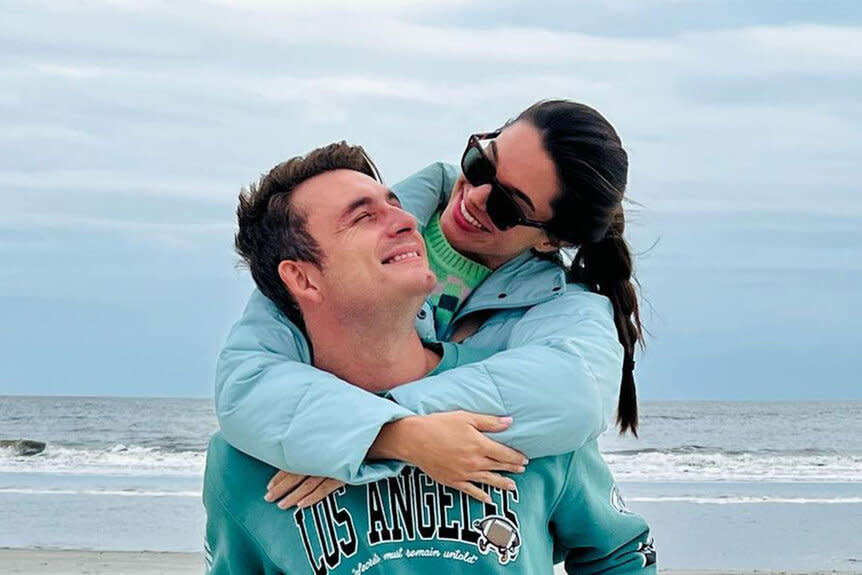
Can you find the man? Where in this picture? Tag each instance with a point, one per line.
(356, 277)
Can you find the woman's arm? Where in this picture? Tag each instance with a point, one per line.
(273, 405)
(558, 378)
(557, 381)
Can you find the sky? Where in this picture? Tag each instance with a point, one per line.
(129, 128)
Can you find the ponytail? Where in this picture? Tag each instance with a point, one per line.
(605, 267)
(592, 169)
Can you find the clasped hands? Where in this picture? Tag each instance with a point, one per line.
(450, 447)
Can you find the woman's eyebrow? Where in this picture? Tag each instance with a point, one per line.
(526, 199)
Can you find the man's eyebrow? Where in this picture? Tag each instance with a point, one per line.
(392, 198)
(362, 202)
(513, 189)
(366, 201)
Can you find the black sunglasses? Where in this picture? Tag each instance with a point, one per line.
(501, 206)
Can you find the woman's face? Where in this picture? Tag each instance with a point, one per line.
(523, 166)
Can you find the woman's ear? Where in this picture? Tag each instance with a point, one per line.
(547, 245)
(299, 281)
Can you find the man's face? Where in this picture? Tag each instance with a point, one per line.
(522, 165)
(372, 253)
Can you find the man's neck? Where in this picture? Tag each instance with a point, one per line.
(374, 352)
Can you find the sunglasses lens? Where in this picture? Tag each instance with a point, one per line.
(476, 168)
(501, 207)
(502, 210)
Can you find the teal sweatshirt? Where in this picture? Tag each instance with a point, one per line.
(565, 507)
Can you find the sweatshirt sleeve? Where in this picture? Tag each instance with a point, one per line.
(558, 378)
(592, 528)
(230, 550)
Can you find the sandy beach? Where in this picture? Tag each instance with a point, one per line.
(73, 562)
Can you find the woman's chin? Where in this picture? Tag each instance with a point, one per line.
(456, 237)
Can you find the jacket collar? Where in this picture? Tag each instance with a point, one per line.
(523, 281)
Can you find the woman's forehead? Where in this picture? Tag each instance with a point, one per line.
(523, 163)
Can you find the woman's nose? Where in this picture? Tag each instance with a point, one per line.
(477, 195)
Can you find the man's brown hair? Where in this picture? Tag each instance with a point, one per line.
(271, 230)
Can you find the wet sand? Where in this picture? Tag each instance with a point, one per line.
(75, 562)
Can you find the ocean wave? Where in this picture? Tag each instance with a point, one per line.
(116, 460)
(740, 500)
(115, 492)
(696, 499)
(712, 465)
(683, 463)
(702, 449)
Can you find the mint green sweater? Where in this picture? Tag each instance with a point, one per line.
(457, 276)
(564, 508)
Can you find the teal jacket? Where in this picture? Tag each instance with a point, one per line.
(564, 507)
(557, 372)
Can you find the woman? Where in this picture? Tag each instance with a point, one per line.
(554, 177)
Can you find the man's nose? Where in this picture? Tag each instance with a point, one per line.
(401, 221)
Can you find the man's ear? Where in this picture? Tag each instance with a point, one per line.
(299, 282)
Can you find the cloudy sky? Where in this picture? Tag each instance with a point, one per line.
(129, 127)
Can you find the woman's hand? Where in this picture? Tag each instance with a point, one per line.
(452, 449)
(449, 447)
(290, 489)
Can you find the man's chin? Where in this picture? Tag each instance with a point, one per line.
(430, 283)
(421, 284)
(425, 284)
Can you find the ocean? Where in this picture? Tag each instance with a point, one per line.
(724, 485)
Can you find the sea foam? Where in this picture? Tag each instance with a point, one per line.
(116, 460)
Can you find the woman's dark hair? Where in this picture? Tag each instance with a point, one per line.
(592, 168)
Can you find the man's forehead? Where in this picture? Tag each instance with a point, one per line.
(331, 192)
